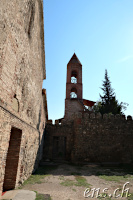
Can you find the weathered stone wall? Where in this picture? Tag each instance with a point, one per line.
(22, 70)
(94, 138)
(57, 130)
(70, 106)
(108, 139)
(21, 57)
(29, 145)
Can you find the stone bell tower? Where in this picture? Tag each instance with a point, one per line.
(73, 101)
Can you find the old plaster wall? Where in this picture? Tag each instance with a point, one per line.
(22, 70)
(93, 138)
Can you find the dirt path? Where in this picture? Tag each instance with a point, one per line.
(68, 182)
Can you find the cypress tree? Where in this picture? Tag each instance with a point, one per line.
(109, 103)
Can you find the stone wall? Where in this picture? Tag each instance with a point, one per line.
(71, 105)
(94, 138)
(61, 131)
(31, 138)
(22, 70)
(107, 139)
(21, 57)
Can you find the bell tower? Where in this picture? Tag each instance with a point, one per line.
(73, 87)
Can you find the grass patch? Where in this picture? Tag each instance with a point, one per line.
(131, 196)
(67, 182)
(39, 175)
(35, 179)
(42, 196)
(74, 190)
(61, 178)
(115, 178)
(79, 181)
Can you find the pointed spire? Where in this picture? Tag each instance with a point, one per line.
(74, 59)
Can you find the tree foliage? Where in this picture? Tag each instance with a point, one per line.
(108, 102)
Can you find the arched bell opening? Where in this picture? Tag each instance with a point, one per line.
(74, 77)
(73, 94)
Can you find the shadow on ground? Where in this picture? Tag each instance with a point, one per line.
(124, 170)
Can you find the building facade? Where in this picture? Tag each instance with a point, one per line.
(23, 105)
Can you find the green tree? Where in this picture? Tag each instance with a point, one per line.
(108, 102)
(107, 90)
(97, 106)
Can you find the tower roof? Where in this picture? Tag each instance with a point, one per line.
(74, 59)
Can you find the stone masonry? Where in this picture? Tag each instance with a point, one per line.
(91, 138)
(22, 102)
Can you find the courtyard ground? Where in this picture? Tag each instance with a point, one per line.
(70, 182)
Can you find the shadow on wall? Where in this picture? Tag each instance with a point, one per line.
(41, 143)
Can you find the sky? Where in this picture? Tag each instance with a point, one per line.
(100, 32)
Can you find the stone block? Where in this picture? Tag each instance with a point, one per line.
(49, 121)
(110, 116)
(63, 121)
(98, 115)
(86, 116)
(123, 117)
(92, 115)
(117, 116)
(105, 116)
(56, 122)
(80, 115)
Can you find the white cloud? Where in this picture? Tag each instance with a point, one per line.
(124, 59)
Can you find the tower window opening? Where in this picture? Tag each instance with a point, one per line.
(73, 80)
(74, 77)
(73, 93)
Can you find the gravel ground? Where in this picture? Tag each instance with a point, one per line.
(68, 182)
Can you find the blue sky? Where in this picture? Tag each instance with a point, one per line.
(100, 32)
